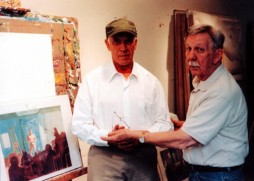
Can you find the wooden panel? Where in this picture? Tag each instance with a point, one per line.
(182, 72)
(10, 3)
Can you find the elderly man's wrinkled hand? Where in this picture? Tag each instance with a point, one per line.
(121, 139)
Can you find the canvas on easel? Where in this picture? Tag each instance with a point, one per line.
(65, 46)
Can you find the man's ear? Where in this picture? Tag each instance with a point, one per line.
(218, 56)
(136, 42)
(107, 43)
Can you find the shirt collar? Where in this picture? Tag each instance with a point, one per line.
(204, 85)
(111, 71)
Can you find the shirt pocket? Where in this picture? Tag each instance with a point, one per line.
(144, 118)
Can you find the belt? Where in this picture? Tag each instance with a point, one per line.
(199, 168)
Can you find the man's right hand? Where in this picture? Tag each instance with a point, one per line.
(177, 123)
(125, 144)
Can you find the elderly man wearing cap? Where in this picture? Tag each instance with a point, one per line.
(120, 95)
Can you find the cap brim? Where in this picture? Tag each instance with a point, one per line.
(120, 31)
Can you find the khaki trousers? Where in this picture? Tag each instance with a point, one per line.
(112, 164)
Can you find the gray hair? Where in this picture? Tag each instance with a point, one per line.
(216, 36)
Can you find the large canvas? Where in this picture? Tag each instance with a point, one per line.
(30, 67)
(65, 46)
(231, 28)
(36, 139)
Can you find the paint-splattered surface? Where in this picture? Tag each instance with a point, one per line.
(65, 46)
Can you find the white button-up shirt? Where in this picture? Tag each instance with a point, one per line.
(106, 98)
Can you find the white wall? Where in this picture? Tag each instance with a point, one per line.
(153, 19)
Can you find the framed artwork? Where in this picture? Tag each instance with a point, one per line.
(36, 139)
(160, 166)
(171, 165)
(231, 28)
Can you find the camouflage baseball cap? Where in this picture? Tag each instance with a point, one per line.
(120, 25)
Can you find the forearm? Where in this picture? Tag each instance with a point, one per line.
(90, 134)
(173, 139)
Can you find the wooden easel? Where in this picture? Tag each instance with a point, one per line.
(70, 175)
(65, 44)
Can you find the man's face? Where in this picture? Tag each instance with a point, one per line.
(200, 55)
(122, 47)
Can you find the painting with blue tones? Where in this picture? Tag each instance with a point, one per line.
(34, 143)
(17, 128)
